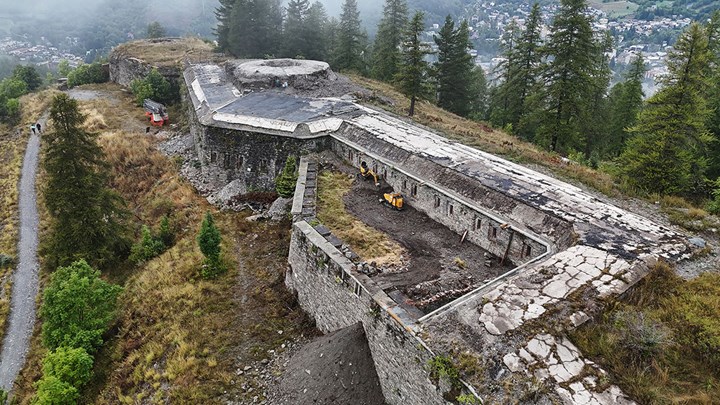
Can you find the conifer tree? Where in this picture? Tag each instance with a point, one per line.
(209, 240)
(454, 68)
(316, 28)
(386, 52)
(285, 182)
(569, 77)
(222, 29)
(253, 28)
(626, 100)
(594, 118)
(668, 153)
(479, 90)
(295, 42)
(520, 73)
(412, 77)
(351, 44)
(87, 218)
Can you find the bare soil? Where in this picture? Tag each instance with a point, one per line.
(333, 369)
(438, 268)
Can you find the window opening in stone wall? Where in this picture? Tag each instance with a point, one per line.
(404, 185)
(527, 250)
(437, 201)
(358, 289)
(374, 167)
(239, 162)
(414, 190)
(384, 173)
(350, 155)
(263, 165)
(451, 209)
(213, 157)
(492, 232)
(478, 222)
(226, 161)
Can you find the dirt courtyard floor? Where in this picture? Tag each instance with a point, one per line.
(437, 269)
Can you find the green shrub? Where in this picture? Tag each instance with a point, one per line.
(6, 261)
(643, 338)
(147, 248)
(714, 205)
(285, 182)
(166, 234)
(442, 367)
(87, 74)
(53, 391)
(155, 87)
(77, 307)
(73, 366)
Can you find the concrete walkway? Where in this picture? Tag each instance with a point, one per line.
(25, 279)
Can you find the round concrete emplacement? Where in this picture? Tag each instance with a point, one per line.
(282, 69)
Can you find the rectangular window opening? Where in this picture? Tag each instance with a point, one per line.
(437, 201)
(492, 232)
(478, 222)
(414, 190)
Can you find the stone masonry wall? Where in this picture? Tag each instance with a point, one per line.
(328, 288)
(251, 159)
(124, 69)
(483, 228)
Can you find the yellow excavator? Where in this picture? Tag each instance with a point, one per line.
(367, 173)
(394, 200)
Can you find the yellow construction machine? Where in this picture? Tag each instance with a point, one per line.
(394, 200)
(367, 173)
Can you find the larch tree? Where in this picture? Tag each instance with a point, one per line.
(386, 52)
(87, 218)
(351, 43)
(571, 49)
(668, 153)
(412, 77)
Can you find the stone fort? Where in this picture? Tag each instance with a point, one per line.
(570, 251)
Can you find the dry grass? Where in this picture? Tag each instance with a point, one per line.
(179, 338)
(370, 244)
(479, 135)
(167, 53)
(685, 372)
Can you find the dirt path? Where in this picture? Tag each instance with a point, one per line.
(25, 277)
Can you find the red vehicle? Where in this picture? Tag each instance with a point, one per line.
(156, 113)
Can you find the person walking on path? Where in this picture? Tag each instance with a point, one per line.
(38, 127)
(32, 128)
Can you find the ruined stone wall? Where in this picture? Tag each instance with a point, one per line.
(484, 229)
(125, 68)
(336, 296)
(251, 160)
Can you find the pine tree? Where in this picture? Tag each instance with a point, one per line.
(252, 28)
(594, 119)
(222, 29)
(454, 68)
(713, 95)
(351, 43)
(209, 241)
(668, 153)
(285, 182)
(478, 88)
(412, 77)
(87, 219)
(295, 41)
(519, 74)
(626, 100)
(386, 52)
(569, 77)
(316, 28)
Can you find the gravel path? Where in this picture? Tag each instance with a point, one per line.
(25, 277)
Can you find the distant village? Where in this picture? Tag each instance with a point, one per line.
(631, 36)
(40, 55)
